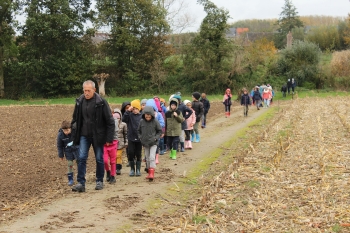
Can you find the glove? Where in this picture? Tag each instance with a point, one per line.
(70, 144)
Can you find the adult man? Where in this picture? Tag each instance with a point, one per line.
(206, 107)
(94, 126)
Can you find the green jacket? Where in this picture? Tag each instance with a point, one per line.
(172, 123)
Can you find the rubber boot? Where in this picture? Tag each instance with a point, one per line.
(226, 114)
(190, 145)
(182, 146)
(150, 176)
(132, 168)
(112, 180)
(70, 179)
(161, 146)
(108, 176)
(173, 154)
(138, 168)
(193, 135)
(157, 157)
(186, 144)
(198, 138)
(119, 168)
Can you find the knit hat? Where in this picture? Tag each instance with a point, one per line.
(196, 95)
(143, 101)
(177, 97)
(178, 93)
(186, 102)
(136, 104)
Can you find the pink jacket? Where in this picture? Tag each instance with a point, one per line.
(191, 120)
(267, 95)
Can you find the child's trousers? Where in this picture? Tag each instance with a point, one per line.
(173, 142)
(110, 153)
(150, 154)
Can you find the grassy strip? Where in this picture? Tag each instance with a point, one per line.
(214, 98)
(111, 100)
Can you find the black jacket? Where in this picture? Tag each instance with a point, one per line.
(199, 110)
(132, 121)
(257, 95)
(206, 105)
(284, 88)
(103, 127)
(186, 113)
(245, 100)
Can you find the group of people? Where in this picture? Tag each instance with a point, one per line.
(260, 96)
(153, 126)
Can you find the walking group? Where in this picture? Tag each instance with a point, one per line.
(261, 96)
(152, 126)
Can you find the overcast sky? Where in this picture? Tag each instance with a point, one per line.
(269, 9)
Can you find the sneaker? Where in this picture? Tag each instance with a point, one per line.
(78, 188)
(112, 180)
(99, 185)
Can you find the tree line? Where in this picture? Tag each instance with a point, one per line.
(145, 50)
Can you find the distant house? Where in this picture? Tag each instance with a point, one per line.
(100, 37)
(235, 32)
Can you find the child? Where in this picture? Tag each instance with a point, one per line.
(65, 148)
(122, 139)
(159, 117)
(110, 153)
(267, 95)
(199, 109)
(206, 106)
(160, 148)
(284, 90)
(227, 102)
(132, 118)
(190, 123)
(173, 119)
(245, 101)
(252, 94)
(257, 97)
(149, 132)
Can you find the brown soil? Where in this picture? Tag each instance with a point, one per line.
(34, 196)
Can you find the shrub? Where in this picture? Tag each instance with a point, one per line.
(340, 63)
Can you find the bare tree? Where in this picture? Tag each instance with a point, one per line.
(178, 15)
(101, 80)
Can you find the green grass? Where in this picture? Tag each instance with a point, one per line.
(111, 100)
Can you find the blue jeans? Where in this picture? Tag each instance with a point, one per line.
(85, 143)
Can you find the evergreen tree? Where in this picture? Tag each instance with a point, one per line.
(7, 9)
(206, 59)
(54, 59)
(137, 39)
(288, 20)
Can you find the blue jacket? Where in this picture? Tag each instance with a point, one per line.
(206, 105)
(257, 96)
(159, 116)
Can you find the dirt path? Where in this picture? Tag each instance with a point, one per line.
(117, 205)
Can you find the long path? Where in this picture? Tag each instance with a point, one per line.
(115, 205)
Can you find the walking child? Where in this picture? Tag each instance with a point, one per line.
(110, 155)
(190, 123)
(132, 118)
(66, 149)
(149, 132)
(173, 119)
(197, 106)
(122, 139)
(245, 101)
(206, 107)
(227, 102)
(257, 98)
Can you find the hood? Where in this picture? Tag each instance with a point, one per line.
(123, 106)
(148, 110)
(228, 91)
(156, 100)
(174, 100)
(117, 111)
(152, 103)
